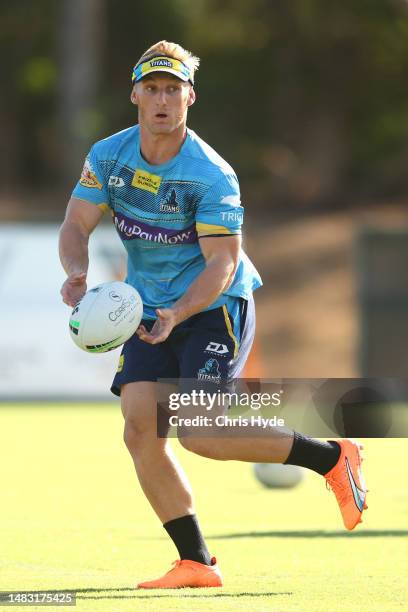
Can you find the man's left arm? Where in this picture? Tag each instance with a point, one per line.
(221, 256)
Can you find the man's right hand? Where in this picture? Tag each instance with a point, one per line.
(74, 288)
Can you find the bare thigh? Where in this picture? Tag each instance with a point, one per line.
(143, 404)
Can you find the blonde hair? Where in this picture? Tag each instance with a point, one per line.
(173, 50)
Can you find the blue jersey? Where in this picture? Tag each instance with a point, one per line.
(161, 211)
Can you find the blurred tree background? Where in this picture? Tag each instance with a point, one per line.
(308, 100)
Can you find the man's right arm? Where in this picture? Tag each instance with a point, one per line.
(80, 220)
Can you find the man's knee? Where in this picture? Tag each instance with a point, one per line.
(205, 447)
(138, 405)
(141, 441)
(134, 434)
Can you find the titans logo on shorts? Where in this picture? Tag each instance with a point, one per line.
(161, 212)
(208, 350)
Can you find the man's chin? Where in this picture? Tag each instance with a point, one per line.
(157, 127)
(161, 131)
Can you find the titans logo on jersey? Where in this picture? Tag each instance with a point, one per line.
(160, 212)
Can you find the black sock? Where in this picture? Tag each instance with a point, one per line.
(186, 535)
(316, 455)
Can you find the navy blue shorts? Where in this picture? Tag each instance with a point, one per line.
(210, 347)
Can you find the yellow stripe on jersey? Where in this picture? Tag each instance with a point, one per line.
(103, 206)
(208, 229)
(229, 329)
(120, 364)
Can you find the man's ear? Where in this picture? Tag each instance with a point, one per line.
(134, 96)
(191, 97)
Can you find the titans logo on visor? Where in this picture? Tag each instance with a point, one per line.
(162, 64)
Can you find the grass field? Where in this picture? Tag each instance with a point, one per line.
(72, 517)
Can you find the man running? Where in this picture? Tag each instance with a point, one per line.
(176, 206)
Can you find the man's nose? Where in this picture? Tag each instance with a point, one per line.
(162, 96)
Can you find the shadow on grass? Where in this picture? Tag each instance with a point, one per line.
(367, 533)
(306, 533)
(178, 594)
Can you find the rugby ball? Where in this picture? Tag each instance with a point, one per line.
(106, 317)
(278, 475)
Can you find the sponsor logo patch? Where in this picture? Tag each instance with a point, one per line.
(216, 347)
(148, 182)
(130, 229)
(88, 176)
(210, 372)
(116, 181)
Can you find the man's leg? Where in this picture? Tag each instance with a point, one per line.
(206, 356)
(338, 461)
(160, 475)
(166, 487)
(272, 445)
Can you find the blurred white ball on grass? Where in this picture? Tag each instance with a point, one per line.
(277, 475)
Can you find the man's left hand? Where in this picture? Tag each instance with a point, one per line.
(166, 321)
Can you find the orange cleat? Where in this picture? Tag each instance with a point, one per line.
(186, 573)
(347, 483)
